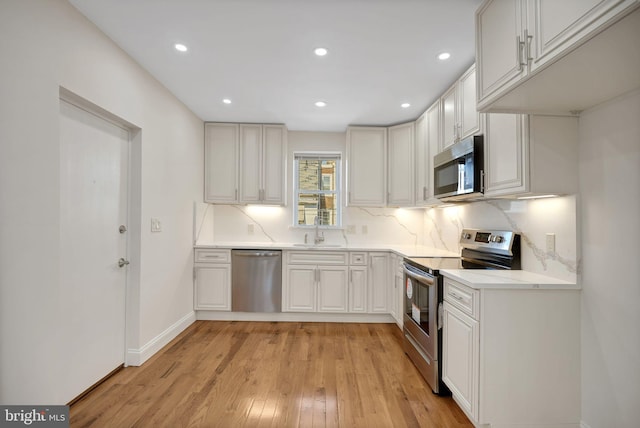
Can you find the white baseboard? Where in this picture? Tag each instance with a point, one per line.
(293, 316)
(136, 357)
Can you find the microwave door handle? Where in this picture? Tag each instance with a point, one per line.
(461, 177)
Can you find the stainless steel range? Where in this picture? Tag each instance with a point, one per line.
(481, 249)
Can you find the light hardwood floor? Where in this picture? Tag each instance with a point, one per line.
(267, 374)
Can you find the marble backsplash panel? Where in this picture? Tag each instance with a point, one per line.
(434, 227)
(266, 224)
(533, 219)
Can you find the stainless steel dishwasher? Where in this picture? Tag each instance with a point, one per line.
(256, 280)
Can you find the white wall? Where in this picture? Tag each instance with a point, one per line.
(610, 233)
(273, 224)
(45, 45)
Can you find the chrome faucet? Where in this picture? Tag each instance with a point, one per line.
(319, 235)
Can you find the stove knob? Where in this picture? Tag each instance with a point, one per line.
(498, 239)
(466, 236)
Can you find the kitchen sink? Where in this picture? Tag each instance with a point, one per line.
(318, 245)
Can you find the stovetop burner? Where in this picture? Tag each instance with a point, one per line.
(481, 249)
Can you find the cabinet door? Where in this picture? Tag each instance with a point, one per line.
(401, 163)
(250, 163)
(422, 160)
(469, 119)
(366, 166)
(378, 283)
(221, 162)
(332, 289)
(448, 115)
(213, 288)
(556, 26)
(460, 355)
(274, 164)
(300, 289)
(433, 138)
(499, 46)
(358, 289)
(506, 154)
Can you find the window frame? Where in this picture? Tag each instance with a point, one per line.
(314, 155)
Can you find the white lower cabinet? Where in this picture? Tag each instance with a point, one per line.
(212, 280)
(335, 282)
(378, 283)
(396, 291)
(332, 289)
(460, 355)
(358, 289)
(317, 289)
(511, 355)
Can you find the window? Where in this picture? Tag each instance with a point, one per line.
(317, 189)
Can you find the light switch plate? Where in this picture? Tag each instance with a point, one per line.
(250, 228)
(551, 242)
(351, 229)
(156, 225)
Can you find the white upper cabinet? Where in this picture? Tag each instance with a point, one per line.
(427, 145)
(422, 160)
(250, 163)
(366, 166)
(401, 165)
(449, 118)
(245, 163)
(263, 164)
(468, 116)
(458, 114)
(530, 155)
(565, 44)
(221, 163)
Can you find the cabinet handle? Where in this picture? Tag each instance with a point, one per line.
(521, 47)
(236, 194)
(528, 40)
(424, 193)
(455, 296)
(350, 277)
(482, 180)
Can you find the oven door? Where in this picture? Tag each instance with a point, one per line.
(421, 309)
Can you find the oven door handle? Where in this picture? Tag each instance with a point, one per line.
(422, 278)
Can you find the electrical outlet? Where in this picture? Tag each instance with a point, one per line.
(250, 228)
(156, 225)
(351, 229)
(551, 242)
(365, 229)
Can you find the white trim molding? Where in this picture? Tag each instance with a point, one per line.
(294, 316)
(136, 357)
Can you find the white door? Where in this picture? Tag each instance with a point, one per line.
(93, 206)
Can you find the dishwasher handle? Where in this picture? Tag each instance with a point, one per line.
(256, 253)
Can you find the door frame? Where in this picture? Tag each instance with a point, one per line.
(134, 220)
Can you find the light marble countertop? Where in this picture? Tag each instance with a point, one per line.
(507, 279)
(401, 250)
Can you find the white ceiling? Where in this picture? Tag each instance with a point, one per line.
(259, 53)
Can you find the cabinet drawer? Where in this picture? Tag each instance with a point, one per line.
(359, 259)
(462, 297)
(317, 257)
(213, 256)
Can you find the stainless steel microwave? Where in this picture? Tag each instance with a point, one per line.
(458, 171)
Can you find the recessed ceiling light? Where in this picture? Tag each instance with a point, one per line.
(405, 105)
(226, 101)
(180, 47)
(321, 51)
(444, 55)
(320, 104)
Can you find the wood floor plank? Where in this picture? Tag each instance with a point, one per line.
(272, 374)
